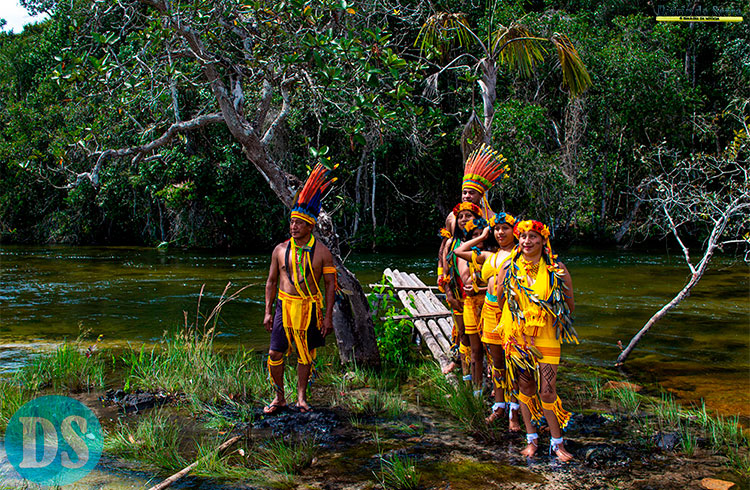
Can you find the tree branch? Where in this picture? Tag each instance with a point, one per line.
(263, 106)
(677, 236)
(140, 151)
(285, 108)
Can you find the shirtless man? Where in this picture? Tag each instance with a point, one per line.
(297, 266)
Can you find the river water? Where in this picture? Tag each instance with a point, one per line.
(701, 350)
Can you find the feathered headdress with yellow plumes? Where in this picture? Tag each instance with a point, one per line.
(484, 168)
(307, 203)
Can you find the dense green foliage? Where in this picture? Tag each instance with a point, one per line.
(79, 84)
(394, 335)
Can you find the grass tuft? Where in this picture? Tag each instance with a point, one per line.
(232, 466)
(224, 415)
(286, 457)
(456, 399)
(688, 439)
(375, 403)
(724, 434)
(627, 399)
(155, 440)
(67, 369)
(667, 412)
(12, 397)
(188, 364)
(398, 473)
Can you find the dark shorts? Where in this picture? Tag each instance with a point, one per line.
(279, 342)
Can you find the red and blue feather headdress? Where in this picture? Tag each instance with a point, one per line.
(307, 203)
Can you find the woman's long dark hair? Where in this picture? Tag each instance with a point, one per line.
(459, 232)
(490, 244)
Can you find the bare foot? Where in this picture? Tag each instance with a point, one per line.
(494, 416)
(529, 451)
(450, 367)
(513, 424)
(562, 455)
(303, 406)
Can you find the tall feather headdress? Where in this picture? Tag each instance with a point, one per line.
(307, 202)
(484, 168)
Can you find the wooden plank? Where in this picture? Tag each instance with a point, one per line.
(446, 327)
(429, 331)
(417, 281)
(437, 327)
(420, 288)
(428, 302)
(444, 343)
(407, 279)
(388, 273)
(418, 316)
(426, 333)
(439, 305)
(435, 344)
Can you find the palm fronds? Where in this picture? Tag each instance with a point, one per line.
(575, 75)
(444, 30)
(516, 48)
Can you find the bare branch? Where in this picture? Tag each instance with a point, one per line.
(263, 106)
(673, 226)
(285, 108)
(395, 187)
(140, 151)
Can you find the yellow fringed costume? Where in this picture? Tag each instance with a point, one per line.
(473, 304)
(491, 312)
(297, 313)
(536, 328)
(490, 333)
(531, 334)
(563, 416)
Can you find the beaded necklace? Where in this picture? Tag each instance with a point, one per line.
(531, 269)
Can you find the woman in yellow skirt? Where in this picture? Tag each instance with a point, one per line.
(453, 282)
(536, 297)
(492, 262)
(474, 289)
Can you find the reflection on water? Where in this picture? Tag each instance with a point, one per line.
(132, 295)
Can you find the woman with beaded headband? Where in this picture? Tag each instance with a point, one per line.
(536, 296)
(453, 282)
(500, 231)
(474, 290)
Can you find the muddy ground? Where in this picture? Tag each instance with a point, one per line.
(610, 451)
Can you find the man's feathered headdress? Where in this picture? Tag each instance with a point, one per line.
(484, 168)
(307, 203)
